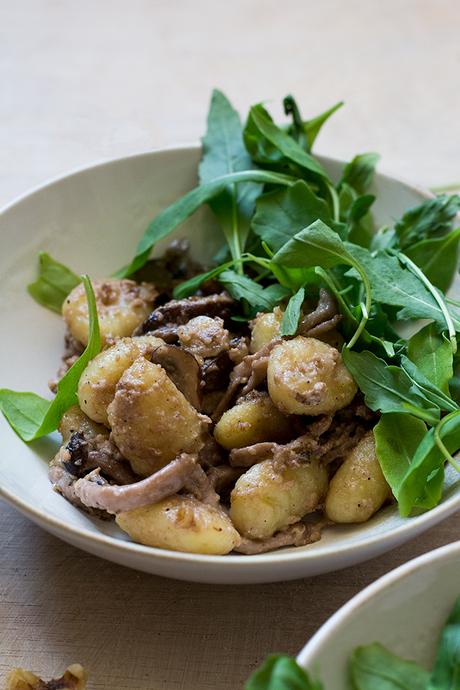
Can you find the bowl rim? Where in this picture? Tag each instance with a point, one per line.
(56, 525)
(306, 656)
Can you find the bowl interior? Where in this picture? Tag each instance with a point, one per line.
(404, 611)
(92, 220)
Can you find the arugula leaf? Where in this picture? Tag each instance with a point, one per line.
(397, 437)
(224, 153)
(281, 673)
(437, 257)
(426, 387)
(422, 484)
(446, 672)
(387, 387)
(356, 212)
(54, 283)
(306, 131)
(359, 172)
(318, 245)
(432, 353)
(267, 143)
(168, 219)
(30, 415)
(433, 218)
(259, 298)
(189, 287)
(395, 285)
(291, 316)
(283, 213)
(375, 668)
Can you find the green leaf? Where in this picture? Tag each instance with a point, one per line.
(395, 285)
(306, 131)
(438, 258)
(189, 287)
(387, 388)
(318, 245)
(315, 245)
(283, 213)
(360, 171)
(397, 437)
(426, 387)
(433, 218)
(422, 484)
(54, 283)
(30, 415)
(432, 353)
(291, 316)
(446, 672)
(375, 668)
(175, 214)
(281, 673)
(267, 143)
(359, 220)
(259, 298)
(224, 153)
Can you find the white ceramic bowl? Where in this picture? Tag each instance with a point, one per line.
(404, 610)
(92, 220)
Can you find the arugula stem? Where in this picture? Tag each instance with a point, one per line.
(440, 443)
(335, 202)
(365, 308)
(235, 244)
(439, 300)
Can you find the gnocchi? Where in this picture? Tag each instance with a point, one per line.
(181, 523)
(96, 388)
(151, 420)
(265, 328)
(307, 376)
(251, 421)
(267, 499)
(358, 489)
(122, 305)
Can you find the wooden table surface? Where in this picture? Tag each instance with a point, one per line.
(82, 81)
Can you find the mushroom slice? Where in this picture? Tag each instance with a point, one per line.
(95, 492)
(299, 534)
(183, 370)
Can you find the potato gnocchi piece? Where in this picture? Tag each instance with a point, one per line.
(251, 421)
(181, 523)
(122, 305)
(151, 420)
(96, 388)
(265, 328)
(204, 336)
(307, 376)
(74, 420)
(266, 500)
(358, 489)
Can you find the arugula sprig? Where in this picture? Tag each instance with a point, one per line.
(373, 667)
(290, 230)
(32, 416)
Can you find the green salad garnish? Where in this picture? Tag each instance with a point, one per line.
(288, 229)
(373, 667)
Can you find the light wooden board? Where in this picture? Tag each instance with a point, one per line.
(91, 80)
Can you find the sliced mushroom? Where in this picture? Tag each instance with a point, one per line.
(324, 318)
(95, 492)
(183, 370)
(299, 534)
(179, 311)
